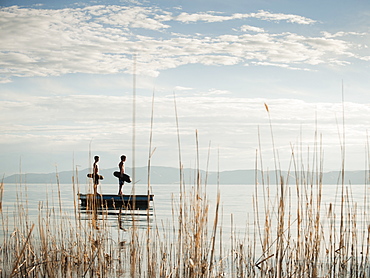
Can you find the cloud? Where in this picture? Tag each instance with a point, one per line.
(69, 123)
(129, 17)
(55, 114)
(104, 40)
(280, 65)
(262, 15)
(246, 28)
(279, 17)
(208, 17)
(181, 88)
(342, 34)
(214, 92)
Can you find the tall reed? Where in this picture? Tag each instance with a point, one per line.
(1, 193)
(286, 239)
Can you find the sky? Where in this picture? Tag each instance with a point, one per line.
(219, 85)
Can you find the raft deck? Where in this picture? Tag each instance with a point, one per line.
(115, 201)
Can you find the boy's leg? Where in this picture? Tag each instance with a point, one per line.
(120, 187)
(96, 183)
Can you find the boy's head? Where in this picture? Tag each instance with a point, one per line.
(123, 158)
(96, 158)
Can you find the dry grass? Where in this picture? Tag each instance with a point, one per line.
(311, 241)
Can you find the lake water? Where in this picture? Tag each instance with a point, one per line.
(239, 204)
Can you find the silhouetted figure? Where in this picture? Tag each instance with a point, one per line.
(121, 167)
(96, 173)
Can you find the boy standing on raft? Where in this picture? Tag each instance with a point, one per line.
(121, 167)
(95, 175)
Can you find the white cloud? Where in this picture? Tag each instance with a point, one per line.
(133, 17)
(214, 92)
(103, 39)
(246, 28)
(208, 17)
(181, 88)
(286, 17)
(56, 114)
(342, 34)
(279, 65)
(263, 15)
(69, 123)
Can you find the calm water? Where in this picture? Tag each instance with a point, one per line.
(237, 211)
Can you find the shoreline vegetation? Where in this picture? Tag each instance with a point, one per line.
(304, 239)
(313, 240)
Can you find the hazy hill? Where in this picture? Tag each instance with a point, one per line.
(169, 175)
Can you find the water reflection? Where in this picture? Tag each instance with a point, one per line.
(121, 218)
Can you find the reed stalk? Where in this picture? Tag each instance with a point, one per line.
(1, 193)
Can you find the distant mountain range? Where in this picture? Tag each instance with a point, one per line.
(169, 175)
